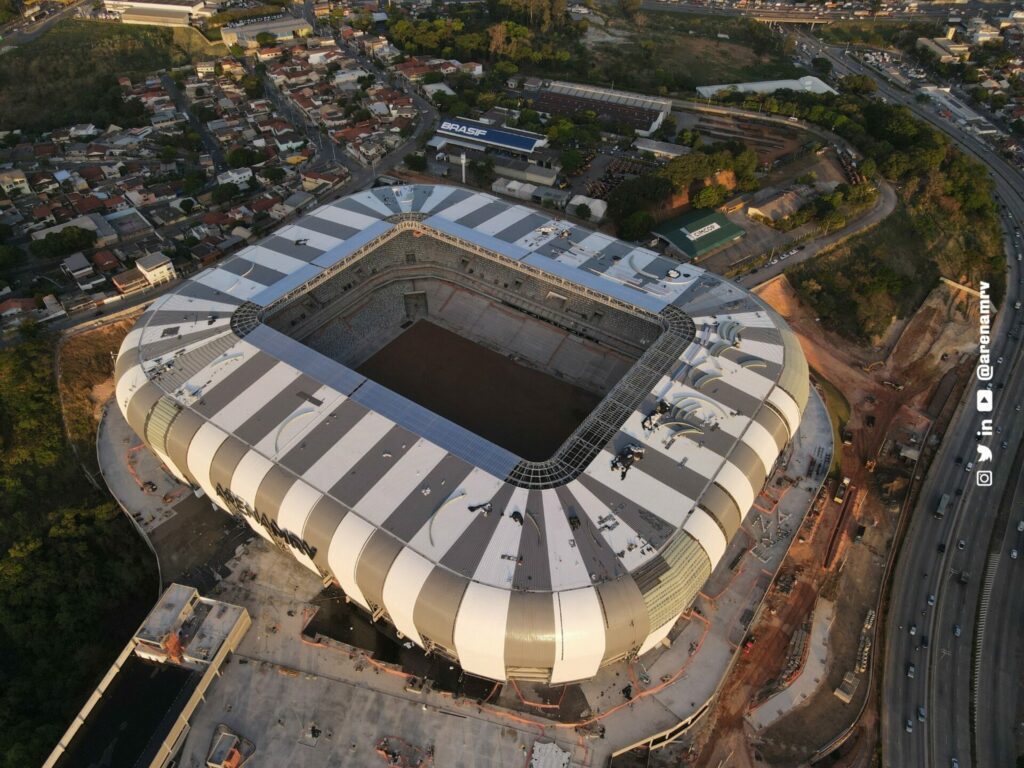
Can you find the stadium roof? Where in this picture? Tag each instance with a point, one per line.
(507, 565)
(698, 233)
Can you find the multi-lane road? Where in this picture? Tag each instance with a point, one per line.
(816, 13)
(940, 576)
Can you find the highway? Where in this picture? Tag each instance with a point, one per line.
(943, 670)
(813, 13)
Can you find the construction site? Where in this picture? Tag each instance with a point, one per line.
(814, 646)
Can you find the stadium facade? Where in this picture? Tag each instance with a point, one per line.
(243, 382)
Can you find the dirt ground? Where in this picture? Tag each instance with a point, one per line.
(884, 417)
(86, 381)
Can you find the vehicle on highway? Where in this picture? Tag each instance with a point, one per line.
(969, 467)
(940, 510)
(1020, 526)
(920, 714)
(910, 725)
(956, 630)
(931, 600)
(913, 629)
(942, 547)
(910, 671)
(961, 545)
(924, 641)
(1003, 444)
(954, 763)
(1013, 554)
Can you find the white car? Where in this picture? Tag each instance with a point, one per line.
(1013, 554)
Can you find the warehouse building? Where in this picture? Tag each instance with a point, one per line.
(698, 234)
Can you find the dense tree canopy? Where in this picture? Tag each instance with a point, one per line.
(74, 579)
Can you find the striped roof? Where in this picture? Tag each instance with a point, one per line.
(459, 543)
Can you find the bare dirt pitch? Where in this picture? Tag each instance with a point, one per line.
(522, 409)
(888, 390)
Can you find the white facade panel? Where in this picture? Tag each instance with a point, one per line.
(251, 469)
(348, 541)
(503, 220)
(299, 422)
(408, 474)
(451, 519)
(345, 218)
(656, 637)
(438, 195)
(787, 405)
(770, 352)
(762, 443)
(296, 505)
(166, 461)
(705, 530)
(345, 453)
(272, 259)
(568, 570)
(480, 630)
(229, 284)
(579, 635)
(663, 500)
(402, 586)
(620, 536)
(313, 239)
(130, 382)
(258, 394)
(493, 568)
(738, 485)
(204, 446)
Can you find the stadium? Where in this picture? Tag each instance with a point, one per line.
(523, 444)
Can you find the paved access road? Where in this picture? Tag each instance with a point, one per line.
(944, 673)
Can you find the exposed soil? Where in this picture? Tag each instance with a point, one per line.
(888, 391)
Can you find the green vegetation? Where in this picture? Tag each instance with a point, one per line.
(878, 34)
(838, 408)
(670, 53)
(74, 578)
(69, 75)
(949, 224)
(416, 162)
(858, 288)
(648, 193)
(63, 243)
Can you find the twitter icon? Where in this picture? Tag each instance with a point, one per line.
(984, 453)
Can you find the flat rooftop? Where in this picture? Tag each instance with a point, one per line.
(131, 719)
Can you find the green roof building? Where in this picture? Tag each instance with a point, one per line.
(697, 234)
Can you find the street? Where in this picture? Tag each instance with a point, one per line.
(944, 682)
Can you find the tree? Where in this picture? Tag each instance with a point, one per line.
(858, 84)
(710, 196)
(636, 226)
(66, 241)
(187, 205)
(822, 66)
(416, 162)
(630, 7)
(583, 211)
(572, 161)
(266, 39)
(10, 256)
(223, 193)
(243, 156)
(274, 174)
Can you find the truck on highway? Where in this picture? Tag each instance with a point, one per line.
(940, 510)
